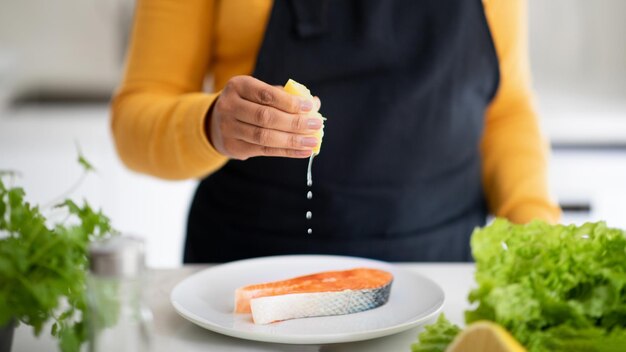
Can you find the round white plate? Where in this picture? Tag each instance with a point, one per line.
(207, 299)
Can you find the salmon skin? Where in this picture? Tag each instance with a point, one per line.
(320, 294)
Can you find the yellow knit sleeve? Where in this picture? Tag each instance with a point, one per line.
(514, 153)
(159, 112)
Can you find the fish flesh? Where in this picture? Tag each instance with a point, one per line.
(319, 294)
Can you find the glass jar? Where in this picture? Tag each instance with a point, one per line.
(118, 316)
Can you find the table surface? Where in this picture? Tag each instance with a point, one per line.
(173, 333)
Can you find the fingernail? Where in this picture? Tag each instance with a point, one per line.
(318, 103)
(309, 141)
(314, 124)
(306, 105)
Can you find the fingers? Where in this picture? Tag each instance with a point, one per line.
(244, 150)
(274, 139)
(251, 118)
(272, 118)
(262, 93)
(281, 152)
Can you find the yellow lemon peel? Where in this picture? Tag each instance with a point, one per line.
(295, 88)
(485, 336)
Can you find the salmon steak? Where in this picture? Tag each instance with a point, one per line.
(320, 294)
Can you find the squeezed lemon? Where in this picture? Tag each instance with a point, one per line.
(295, 88)
(485, 336)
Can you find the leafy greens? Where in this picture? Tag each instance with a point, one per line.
(42, 265)
(436, 337)
(554, 287)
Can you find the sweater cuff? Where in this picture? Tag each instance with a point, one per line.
(199, 143)
(550, 213)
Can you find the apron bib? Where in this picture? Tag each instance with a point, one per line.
(404, 85)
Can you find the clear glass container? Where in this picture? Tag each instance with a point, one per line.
(119, 318)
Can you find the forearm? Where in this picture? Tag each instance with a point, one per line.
(514, 153)
(164, 135)
(515, 169)
(159, 113)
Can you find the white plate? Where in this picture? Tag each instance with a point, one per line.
(207, 299)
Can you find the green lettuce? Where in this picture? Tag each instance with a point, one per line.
(437, 336)
(554, 287)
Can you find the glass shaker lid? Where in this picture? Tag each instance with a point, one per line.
(118, 256)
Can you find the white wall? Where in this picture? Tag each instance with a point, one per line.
(579, 45)
(65, 45)
(40, 143)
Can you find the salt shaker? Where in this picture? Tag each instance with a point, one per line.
(118, 316)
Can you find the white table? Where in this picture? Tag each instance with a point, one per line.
(173, 333)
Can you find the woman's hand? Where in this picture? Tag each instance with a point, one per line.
(252, 118)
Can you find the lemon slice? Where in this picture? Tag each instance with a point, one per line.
(485, 336)
(295, 88)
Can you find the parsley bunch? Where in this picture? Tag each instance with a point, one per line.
(43, 266)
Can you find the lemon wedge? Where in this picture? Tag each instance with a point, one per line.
(295, 88)
(485, 336)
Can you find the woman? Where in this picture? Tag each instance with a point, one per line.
(429, 124)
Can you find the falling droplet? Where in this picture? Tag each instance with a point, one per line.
(309, 194)
(309, 175)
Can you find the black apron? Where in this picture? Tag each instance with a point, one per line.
(404, 85)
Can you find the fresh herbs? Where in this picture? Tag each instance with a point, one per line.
(554, 287)
(43, 266)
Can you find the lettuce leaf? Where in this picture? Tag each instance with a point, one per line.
(554, 287)
(437, 336)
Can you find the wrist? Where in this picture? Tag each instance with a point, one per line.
(209, 129)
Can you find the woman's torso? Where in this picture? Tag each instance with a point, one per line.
(404, 86)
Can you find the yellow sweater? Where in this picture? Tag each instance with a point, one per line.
(159, 112)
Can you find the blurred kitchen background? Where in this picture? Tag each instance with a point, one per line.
(60, 60)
